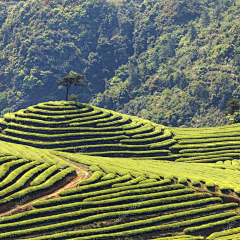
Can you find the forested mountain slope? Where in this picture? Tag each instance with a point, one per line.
(172, 62)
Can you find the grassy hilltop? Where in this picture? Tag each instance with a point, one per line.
(75, 171)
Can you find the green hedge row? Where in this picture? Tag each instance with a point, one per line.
(202, 154)
(127, 153)
(207, 145)
(99, 117)
(32, 109)
(173, 196)
(80, 197)
(163, 144)
(72, 157)
(117, 228)
(40, 136)
(63, 136)
(157, 132)
(25, 153)
(131, 126)
(77, 121)
(25, 114)
(90, 219)
(208, 160)
(61, 143)
(41, 154)
(8, 150)
(94, 168)
(95, 122)
(22, 180)
(129, 129)
(80, 214)
(84, 112)
(146, 140)
(206, 156)
(54, 159)
(117, 122)
(16, 173)
(6, 167)
(60, 130)
(144, 129)
(3, 123)
(108, 176)
(229, 155)
(148, 180)
(231, 237)
(96, 176)
(164, 189)
(33, 190)
(172, 157)
(106, 148)
(119, 170)
(152, 202)
(144, 208)
(94, 186)
(230, 133)
(151, 175)
(208, 140)
(184, 237)
(196, 150)
(107, 169)
(9, 158)
(131, 182)
(206, 227)
(44, 175)
(57, 107)
(4, 152)
(230, 234)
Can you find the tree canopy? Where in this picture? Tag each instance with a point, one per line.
(72, 80)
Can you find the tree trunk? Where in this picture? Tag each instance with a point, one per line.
(67, 94)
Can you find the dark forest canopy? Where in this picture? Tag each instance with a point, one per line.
(181, 57)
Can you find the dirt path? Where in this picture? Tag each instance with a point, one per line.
(81, 175)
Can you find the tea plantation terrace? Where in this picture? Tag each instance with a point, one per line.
(146, 179)
(117, 203)
(219, 145)
(65, 126)
(25, 171)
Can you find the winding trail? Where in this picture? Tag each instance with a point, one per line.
(81, 175)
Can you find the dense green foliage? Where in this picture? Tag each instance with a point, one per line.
(175, 63)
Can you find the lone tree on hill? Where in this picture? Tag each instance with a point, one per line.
(70, 80)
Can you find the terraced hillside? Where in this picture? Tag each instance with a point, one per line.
(123, 199)
(219, 145)
(147, 181)
(65, 126)
(25, 171)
